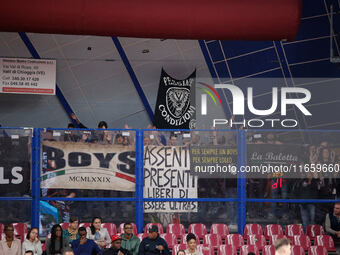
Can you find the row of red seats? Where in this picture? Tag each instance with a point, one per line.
(237, 240)
(214, 241)
(250, 229)
(20, 230)
(222, 229)
(245, 249)
(200, 229)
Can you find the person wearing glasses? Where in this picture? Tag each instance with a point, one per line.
(84, 246)
(130, 242)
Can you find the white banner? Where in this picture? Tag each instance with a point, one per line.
(27, 76)
(69, 165)
(167, 175)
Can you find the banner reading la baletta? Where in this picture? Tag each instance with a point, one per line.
(175, 106)
(167, 175)
(15, 166)
(69, 165)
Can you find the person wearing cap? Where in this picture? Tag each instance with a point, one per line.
(84, 246)
(130, 242)
(153, 244)
(116, 247)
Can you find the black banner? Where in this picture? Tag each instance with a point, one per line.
(175, 106)
(15, 166)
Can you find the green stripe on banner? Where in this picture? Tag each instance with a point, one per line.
(52, 175)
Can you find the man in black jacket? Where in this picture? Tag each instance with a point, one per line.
(153, 244)
(116, 248)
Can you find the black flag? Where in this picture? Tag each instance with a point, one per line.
(175, 106)
(15, 166)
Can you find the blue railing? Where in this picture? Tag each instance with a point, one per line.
(139, 199)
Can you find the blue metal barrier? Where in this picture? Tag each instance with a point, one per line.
(139, 199)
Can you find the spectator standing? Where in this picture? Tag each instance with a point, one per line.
(332, 224)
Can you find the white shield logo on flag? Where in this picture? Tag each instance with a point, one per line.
(177, 101)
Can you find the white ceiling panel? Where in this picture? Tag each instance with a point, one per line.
(90, 47)
(42, 42)
(109, 89)
(68, 39)
(66, 80)
(5, 51)
(19, 48)
(7, 36)
(91, 71)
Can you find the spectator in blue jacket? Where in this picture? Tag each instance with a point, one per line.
(153, 244)
(84, 246)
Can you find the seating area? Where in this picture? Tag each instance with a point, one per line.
(219, 241)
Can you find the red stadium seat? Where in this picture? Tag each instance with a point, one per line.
(171, 239)
(64, 225)
(141, 236)
(245, 249)
(258, 240)
(274, 238)
(325, 240)
(184, 239)
(176, 228)
(317, 250)
(235, 240)
(20, 231)
(314, 230)
(303, 241)
(205, 249)
(293, 230)
(198, 229)
(272, 229)
(159, 225)
(85, 224)
(134, 229)
(178, 247)
(268, 250)
(111, 228)
(213, 240)
(297, 250)
(227, 249)
(2, 226)
(219, 229)
(253, 229)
